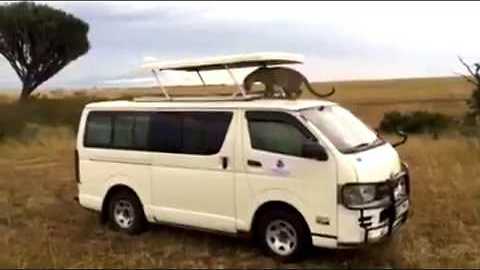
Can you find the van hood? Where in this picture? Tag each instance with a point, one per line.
(376, 164)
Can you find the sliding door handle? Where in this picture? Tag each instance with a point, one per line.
(224, 162)
(254, 163)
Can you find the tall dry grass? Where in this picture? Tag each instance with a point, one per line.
(41, 225)
(445, 228)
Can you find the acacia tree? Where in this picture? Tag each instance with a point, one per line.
(473, 102)
(38, 41)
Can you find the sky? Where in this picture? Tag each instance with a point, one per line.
(340, 41)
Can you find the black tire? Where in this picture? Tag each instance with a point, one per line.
(296, 222)
(135, 216)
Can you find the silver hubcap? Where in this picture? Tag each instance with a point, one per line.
(123, 214)
(281, 237)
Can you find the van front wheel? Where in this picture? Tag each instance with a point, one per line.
(126, 212)
(284, 235)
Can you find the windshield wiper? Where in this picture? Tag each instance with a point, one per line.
(359, 146)
(364, 146)
(356, 148)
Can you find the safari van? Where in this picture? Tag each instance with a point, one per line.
(288, 173)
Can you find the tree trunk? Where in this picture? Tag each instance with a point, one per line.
(25, 95)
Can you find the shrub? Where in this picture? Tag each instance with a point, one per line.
(415, 122)
(44, 111)
(15, 117)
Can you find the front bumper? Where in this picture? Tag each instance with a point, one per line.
(374, 234)
(377, 224)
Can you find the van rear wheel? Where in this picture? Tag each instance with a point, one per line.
(126, 212)
(283, 235)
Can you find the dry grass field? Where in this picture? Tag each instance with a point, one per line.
(42, 226)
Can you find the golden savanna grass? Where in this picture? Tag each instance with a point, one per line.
(42, 226)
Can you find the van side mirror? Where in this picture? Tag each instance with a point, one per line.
(315, 151)
(402, 134)
(399, 132)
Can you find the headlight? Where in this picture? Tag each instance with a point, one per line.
(400, 189)
(366, 195)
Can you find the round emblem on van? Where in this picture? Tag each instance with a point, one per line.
(359, 159)
(280, 164)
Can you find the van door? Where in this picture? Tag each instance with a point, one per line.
(193, 174)
(276, 169)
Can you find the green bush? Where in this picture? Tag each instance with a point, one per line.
(415, 122)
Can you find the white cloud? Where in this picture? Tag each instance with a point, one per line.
(147, 59)
(143, 82)
(359, 40)
(440, 26)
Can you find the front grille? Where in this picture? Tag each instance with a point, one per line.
(386, 214)
(399, 191)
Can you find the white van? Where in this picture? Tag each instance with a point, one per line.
(290, 173)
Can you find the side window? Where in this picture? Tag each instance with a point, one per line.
(98, 130)
(123, 131)
(204, 132)
(277, 132)
(197, 133)
(130, 130)
(141, 130)
(117, 130)
(166, 132)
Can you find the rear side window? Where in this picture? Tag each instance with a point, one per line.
(118, 130)
(98, 130)
(197, 133)
(141, 131)
(123, 131)
(166, 134)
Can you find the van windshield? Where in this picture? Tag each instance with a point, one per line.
(348, 133)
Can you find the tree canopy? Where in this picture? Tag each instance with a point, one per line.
(38, 41)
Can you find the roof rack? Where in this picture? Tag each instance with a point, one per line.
(197, 98)
(216, 63)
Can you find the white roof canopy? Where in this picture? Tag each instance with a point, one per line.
(228, 61)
